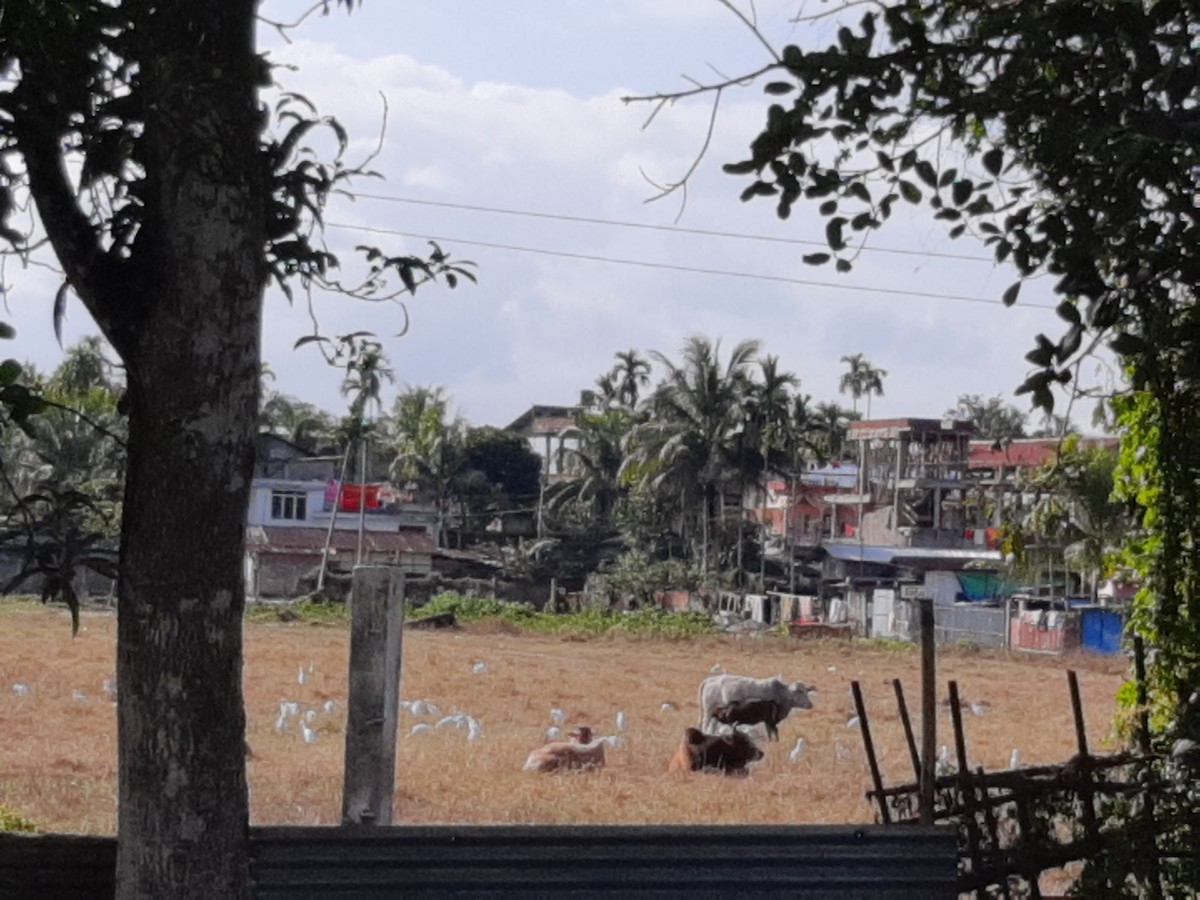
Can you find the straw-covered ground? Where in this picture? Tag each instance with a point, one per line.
(58, 734)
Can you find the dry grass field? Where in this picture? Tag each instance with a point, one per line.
(58, 744)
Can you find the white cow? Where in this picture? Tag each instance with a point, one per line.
(719, 690)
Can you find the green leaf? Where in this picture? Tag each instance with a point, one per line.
(859, 190)
(927, 173)
(779, 87)
(961, 192)
(7, 332)
(909, 191)
(828, 208)
(10, 370)
(947, 178)
(1010, 295)
(833, 233)
(1068, 311)
(1043, 354)
(817, 259)
(843, 265)
(1127, 344)
(993, 161)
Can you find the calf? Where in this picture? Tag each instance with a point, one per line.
(725, 753)
(752, 712)
(582, 753)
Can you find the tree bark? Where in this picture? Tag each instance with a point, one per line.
(192, 357)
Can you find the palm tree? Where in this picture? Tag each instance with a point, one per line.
(830, 426)
(594, 464)
(861, 379)
(687, 446)
(769, 407)
(630, 374)
(298, 421)
(430, 448)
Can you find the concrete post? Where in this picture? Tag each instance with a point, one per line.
(376, 626)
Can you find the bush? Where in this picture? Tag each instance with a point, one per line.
(649, 622)
(11, 820)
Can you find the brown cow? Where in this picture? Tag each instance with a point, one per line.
(752, 712)
(726, 753)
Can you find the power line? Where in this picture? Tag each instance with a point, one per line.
(673, 267)
(671, 229)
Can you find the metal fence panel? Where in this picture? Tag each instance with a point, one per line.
(539, 861)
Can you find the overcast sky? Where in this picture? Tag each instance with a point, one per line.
(507, 141)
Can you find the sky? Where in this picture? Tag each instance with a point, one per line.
(499, 131)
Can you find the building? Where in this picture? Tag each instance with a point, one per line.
(549, 432)
(298, 509)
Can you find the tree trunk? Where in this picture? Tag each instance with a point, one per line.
(188, 330)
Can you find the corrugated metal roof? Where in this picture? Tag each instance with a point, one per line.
(900, 555)
(276, 539)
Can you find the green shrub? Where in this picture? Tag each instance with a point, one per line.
(649, 621)
(11, 820)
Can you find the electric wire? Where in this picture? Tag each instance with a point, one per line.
(670, 229)
(675, 267)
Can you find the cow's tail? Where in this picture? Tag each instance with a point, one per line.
(703, 711)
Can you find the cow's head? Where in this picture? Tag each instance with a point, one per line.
(798, 693)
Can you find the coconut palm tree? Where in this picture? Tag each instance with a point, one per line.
(430, 447)
(862, 379)
(593, 462)
(687, 446)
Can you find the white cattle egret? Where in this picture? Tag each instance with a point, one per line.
(301, 677)
(667, 706)
(309, 734)
(853, 722)
(109, 688)
(419, 708)
(716, 669)
(797, 750)
(1014, 761)
(479, 668)
(553, 733)
(474, 729)
(622, 720)
(557, 716)
(310, 716)
(281, 724)
(330, 706)
(21, 689)
(421, 728)
(79, 696)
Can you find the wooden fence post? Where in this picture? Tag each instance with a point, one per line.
(376, 626)
(928, 710)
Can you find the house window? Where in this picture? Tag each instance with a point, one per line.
(289, 505)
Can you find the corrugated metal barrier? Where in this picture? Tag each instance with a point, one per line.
(690, 861)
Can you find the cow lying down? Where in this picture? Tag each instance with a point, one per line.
(582, 753)
(725, 753)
